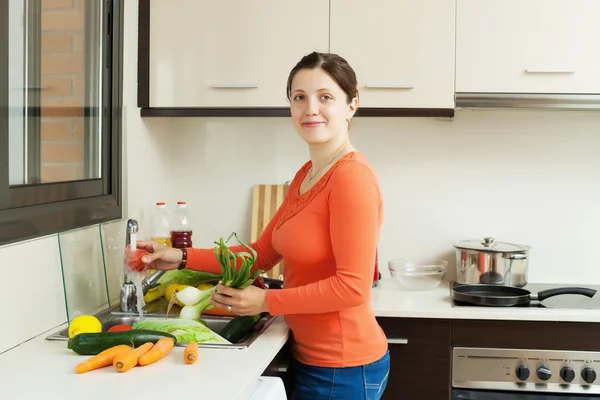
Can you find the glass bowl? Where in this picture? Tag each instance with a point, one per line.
(419, 274)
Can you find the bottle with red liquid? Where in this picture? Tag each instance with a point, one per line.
(376, 273)
(181, 227)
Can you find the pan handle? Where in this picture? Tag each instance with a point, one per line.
(544, 294)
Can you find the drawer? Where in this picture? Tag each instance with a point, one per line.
(526, 334)
(433, 333)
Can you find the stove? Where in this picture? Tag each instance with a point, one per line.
(529, 374)
(563, 301)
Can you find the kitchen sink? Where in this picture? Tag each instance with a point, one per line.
(114, 316)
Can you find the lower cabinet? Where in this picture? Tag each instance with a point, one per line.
(420, 358)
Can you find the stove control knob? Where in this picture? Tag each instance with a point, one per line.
(544, 373)
(567, 374)
(588, 375)
(522, 372)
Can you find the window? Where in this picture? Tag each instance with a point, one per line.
(60, 106)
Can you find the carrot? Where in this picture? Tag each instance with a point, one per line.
(160, 349)
(190, 354)
(129, 359)
(101, 359)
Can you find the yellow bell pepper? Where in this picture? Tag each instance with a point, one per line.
(204, 286)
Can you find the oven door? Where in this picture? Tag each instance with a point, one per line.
(468, 394)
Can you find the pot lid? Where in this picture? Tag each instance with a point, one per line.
(490, 245)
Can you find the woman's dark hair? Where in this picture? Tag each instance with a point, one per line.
(336, 66)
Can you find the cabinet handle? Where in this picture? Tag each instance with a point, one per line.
(548, 71)
(235, 86)
(397, 341)
(401, 87)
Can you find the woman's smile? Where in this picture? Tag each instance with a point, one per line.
(312, 124)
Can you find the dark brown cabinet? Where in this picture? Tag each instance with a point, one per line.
(420, 357)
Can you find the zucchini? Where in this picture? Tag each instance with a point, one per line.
(238, 327)
(90, 344)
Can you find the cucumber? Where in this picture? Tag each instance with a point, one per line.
(90, 344)
(238, 327)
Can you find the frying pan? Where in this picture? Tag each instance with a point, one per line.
(507, 296)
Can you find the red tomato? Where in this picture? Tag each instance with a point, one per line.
(134, 260)
(120, 327)
(259, 282)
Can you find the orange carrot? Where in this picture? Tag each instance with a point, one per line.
(101, 359)
(190, 354)
(129, 359)
(160, 349)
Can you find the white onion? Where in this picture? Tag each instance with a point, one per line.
(190, 296)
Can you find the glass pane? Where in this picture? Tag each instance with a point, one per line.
(56, 64)
(82, 264)
(112, 236)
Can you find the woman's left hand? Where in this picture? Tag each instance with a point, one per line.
(248, 301)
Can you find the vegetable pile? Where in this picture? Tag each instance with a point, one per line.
(144, 344)
(123, 350)
(150, 340)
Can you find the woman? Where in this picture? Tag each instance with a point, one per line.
(326, 231)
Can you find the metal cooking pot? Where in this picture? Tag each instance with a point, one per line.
(491, 262)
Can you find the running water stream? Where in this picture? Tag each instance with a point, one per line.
(136, 278)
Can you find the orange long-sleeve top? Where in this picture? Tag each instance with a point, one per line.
(327, 238)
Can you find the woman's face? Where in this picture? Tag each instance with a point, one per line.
(319, 106)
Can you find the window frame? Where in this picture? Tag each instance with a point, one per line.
(34, 210)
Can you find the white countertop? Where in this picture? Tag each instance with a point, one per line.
(46, 370)
(390, 300)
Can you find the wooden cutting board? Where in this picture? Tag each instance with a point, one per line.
(266, 200)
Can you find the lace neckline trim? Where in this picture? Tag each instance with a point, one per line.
(298, 201)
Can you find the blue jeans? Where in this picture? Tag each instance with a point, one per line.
(365, 382)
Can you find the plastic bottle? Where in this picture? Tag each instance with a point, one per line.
(181, 227)
(161, 231)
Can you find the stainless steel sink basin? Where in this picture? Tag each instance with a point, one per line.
(114, 316)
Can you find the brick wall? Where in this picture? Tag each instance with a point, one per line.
(62, 94)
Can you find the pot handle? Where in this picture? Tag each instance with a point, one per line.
(514, 256)
(544, 294)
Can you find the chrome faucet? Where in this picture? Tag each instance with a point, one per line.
(128, 300)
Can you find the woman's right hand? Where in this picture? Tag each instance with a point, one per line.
(160, 256)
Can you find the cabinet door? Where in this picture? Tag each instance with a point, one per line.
(420, 360)
(231, 52)
(528, 46)
(402, 50)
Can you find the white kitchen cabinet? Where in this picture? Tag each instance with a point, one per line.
(402, 50)
(528, 46)
(230, 53)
